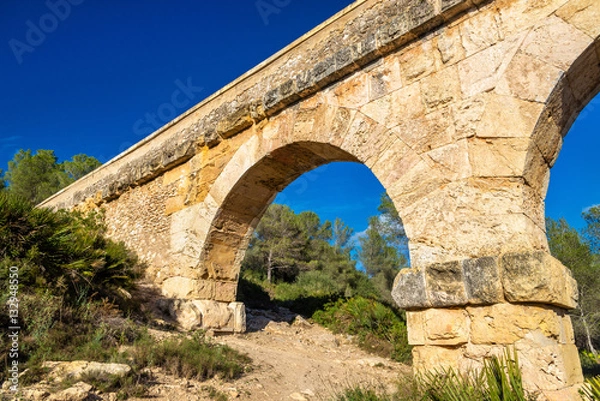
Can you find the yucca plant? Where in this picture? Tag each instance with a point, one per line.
(499, 380)
(591, 389)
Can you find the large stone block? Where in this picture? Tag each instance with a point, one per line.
(448, 327)
(482, 281)
(409, 289)
(537, 277)
(445, 286)
(583, 14)
(179, 287)
(507, 323)
(567, 42)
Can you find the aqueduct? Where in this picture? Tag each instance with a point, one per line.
(458, 107)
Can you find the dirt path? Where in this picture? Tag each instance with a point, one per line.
(297, 361)
(293, 360)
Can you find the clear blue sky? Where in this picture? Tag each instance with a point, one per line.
(98, 68)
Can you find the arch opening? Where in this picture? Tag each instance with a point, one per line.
(246, 202)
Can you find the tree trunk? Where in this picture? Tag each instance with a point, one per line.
(269, 266)
(588, 336)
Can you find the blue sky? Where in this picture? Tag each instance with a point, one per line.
(80, 85)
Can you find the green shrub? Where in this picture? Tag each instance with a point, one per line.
(377, 327)
(66, 252)
(590, 363)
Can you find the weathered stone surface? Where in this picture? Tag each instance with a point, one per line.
(445, 286)
(179, 287)
(482, 71)
(480, 32)
(568, 42)
(482, 281)
(507, 323)
(79, 392)
(537, 277)
(529, 79)
(415, 327)
(447, 327)
(409, 289)
(441, 88)
(582, 14)
(59, 371)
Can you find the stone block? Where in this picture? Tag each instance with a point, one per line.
(366, 50)
(179, 287)
(584, 75)
(449, 44)
(174, 204)
(480, 72)
(572, 364)
(537, 277)
(238, 311)
(353, 92)
(235, 122)
(409, 289)
(445, 286)
(431, 358)
(583, 14)
(447, 327)
(225, 291)
(422, 15)
(529, 79)
(482, 281)
(567, 42)
(441, 88)
(205, 289)
(323, 71)
(215, 315)
(417, 62)
(415, 327)
(507, 323)
(498, 157)
(385, 78)
(394, 33)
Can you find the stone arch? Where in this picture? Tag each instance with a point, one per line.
(572, 92)
(286, 147)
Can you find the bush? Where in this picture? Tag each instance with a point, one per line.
(590, 363)
(377, 327)
(63, 251)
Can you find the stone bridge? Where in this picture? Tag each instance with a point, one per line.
(458, 107)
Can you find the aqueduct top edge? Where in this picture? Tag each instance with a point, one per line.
(351, 39)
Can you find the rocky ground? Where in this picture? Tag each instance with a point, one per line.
(292, 360)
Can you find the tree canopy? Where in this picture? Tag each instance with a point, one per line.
(576, 252)
(36, 177)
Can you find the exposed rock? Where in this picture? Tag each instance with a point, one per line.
(79, 392)
(74, 370)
